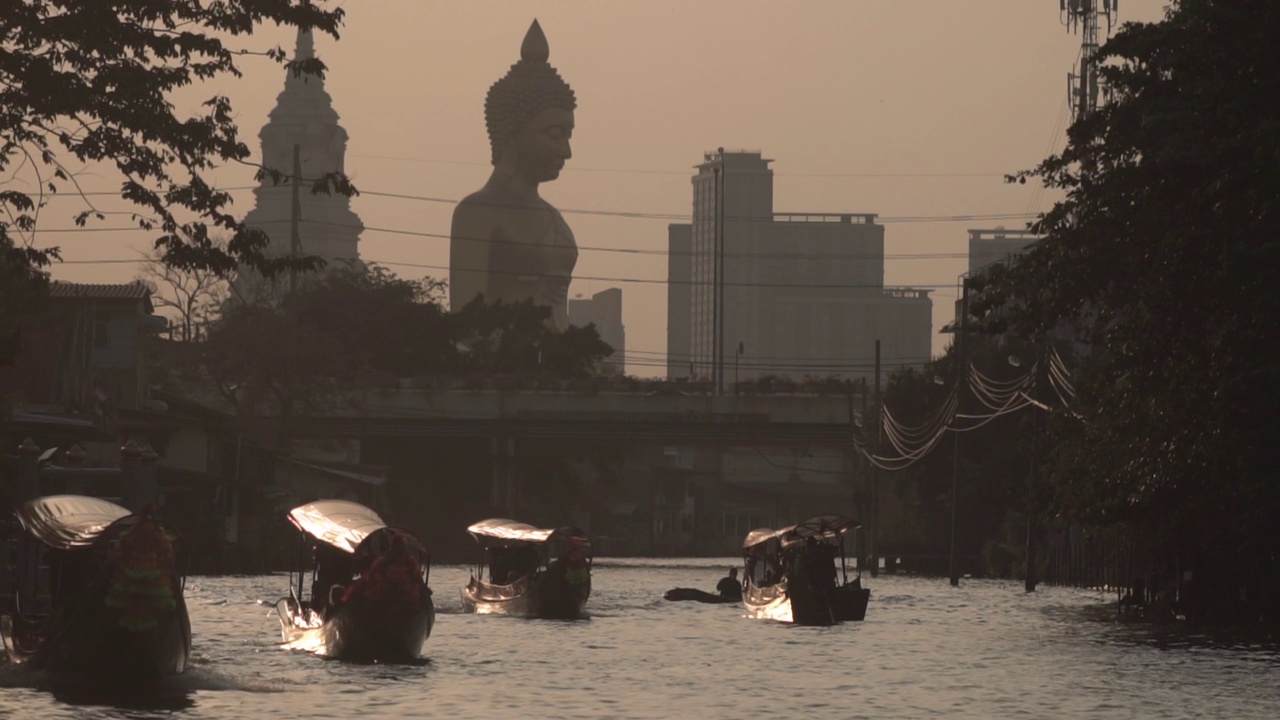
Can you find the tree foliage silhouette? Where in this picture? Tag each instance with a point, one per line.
(1162, 264)
(85, 83)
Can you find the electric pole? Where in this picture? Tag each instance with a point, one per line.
(875, 474)
(295, 239)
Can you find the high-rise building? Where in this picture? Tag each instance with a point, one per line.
(679, 300)
(303, 120)
(605, 310)
(802, 294)
(988, 246)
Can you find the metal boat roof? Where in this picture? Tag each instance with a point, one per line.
(69, 521)
(340, 523)
(826, 526)
(820, 526)
(504, 530)
(760, 536)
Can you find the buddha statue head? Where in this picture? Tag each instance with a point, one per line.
(529, 114)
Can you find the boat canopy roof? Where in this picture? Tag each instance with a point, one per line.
(824, 527)
(501, 531)
(759, 536)
(340, 523)
(64, 522)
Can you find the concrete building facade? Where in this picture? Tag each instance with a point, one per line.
(988, 246)
(679, 300)
(803, 293)
(604, 309)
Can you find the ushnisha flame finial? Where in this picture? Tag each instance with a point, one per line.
(535, 47)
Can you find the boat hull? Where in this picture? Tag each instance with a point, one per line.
(696, 595)
(359, 632)
(536, 598)
(779, 602)
(92, 642)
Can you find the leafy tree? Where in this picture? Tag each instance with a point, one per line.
(513, 339)
(346, 331)
(1163, 263)
(383, 323)
(334, 337)
(22, 286)
(88, 82)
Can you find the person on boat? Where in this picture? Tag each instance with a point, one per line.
(333, 572)
(570, 568)
(576, 571)
(763, 567)
(527, 561)
(393, 579)
(729, 587)
(499, 565)
(825, 564)
(806, 565)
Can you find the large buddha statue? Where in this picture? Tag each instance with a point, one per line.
(507, 243)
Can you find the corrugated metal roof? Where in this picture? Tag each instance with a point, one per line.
(100, 291)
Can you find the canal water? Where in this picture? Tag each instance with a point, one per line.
(983, 650)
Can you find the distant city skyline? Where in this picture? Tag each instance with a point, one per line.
(803, 294)
(876, 106)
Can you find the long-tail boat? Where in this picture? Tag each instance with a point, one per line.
(369, 599)
(528, 571)
(799, 574)
(98, 591)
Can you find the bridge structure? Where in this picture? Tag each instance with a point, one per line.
(674, 460)
(755, 420)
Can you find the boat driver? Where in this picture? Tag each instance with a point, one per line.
(729, 587)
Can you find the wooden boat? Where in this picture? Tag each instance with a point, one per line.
(369, 599)
(682, 594)
(529, 572)
(792, 574)
(99, 592)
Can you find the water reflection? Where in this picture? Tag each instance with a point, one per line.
(983, 650)
(156, 699)
(1121, 630)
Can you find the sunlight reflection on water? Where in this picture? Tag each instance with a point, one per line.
(979, 651)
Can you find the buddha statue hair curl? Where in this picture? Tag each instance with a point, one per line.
(528, 88)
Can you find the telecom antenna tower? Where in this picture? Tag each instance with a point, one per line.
(1082, 89)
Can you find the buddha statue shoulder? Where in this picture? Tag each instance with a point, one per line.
(507, 243)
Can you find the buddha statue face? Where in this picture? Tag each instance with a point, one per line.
(529, 114)
(539, 151)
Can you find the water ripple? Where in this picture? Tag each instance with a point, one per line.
(983, 650)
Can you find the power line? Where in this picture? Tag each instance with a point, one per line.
(686, 173)
(588, 248)
(735, 218)
(600, 278)
(641, 215)
(668, 281)
(635, 251)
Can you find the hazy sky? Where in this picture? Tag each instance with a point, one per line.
(907, 108)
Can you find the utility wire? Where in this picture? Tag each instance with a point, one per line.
(686, 173)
